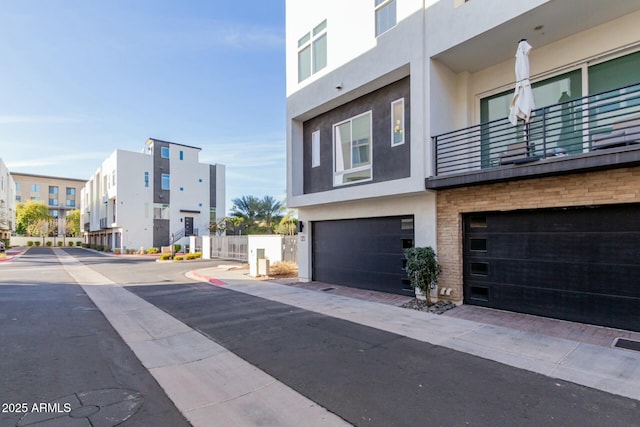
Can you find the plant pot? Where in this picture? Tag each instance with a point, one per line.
(433, 294)
(420, 295)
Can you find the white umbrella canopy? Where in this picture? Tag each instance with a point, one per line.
(522, 104)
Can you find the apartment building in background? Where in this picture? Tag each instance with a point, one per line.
(7, 202)
(397, 135)
(61, 195)
(150, 198)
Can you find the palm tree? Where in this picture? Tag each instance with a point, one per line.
(247, 208)
(270, 210)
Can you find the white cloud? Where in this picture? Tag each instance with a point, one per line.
(63, 159)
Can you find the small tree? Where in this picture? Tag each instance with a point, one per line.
(72, 223)
(30, 213)
(423, 269)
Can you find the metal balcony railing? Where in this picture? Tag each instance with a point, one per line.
(592, 123)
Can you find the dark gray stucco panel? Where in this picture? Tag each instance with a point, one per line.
(389, 162)
(212, 186)
(161, 233)
(160, 166)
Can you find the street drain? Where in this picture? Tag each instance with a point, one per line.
(627, 344)
(107, 407)
(327, 289)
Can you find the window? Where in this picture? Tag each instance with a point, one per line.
(18, 198)
(315, 149)
(385, 15)
(53, 202)
(71, 203)
(35, 188)
(71, 191)
(160, 211)
(312, 51)
(35, 198)
(166, 181)
(53, 213)
(352, 142)
(199, 179)
(181, 155)
(18, 186)
(164, 152)
(53, 190)
(397, 122)
(146, 179)
(181, 188)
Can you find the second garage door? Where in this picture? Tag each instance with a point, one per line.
(579, 264)
(366, 253)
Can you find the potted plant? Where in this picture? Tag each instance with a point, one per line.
(423, 270)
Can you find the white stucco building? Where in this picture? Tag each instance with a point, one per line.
(7, 202)
(397, 135)
(141, 199)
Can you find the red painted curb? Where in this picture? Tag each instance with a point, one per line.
(217, 282)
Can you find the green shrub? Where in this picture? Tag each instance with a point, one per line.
(30, 243)
(152, 251)
(423, 269)
(99, 248)
(79, 244)
(117, 251)
(178, 257)
(60, 243)
(176, 248)
(165, 257)
(70, 243)
(37, 242)
(49, 243)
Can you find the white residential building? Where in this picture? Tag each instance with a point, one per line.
(7, 202)
(146, 199)
(397, 135)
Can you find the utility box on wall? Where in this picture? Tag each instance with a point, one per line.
(263, 251)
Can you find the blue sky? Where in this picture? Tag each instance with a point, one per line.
(79, 79)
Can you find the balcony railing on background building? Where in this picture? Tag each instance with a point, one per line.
(583, 125)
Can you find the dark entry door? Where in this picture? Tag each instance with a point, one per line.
(366, 253)
(578, 264)
(188, 226)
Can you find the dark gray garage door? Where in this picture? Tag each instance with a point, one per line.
(578, 264)
(366, 253)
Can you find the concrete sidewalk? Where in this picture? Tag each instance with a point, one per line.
(208, 384)
(612, 370)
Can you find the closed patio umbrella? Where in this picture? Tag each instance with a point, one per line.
(522, 104)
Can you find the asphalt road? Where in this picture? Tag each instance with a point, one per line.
(55, 343)
(371, 377)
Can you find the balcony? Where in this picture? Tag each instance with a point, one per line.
(598, 131)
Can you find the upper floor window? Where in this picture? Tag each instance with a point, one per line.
(53, 202)
(352, 154)
(53, 190)
(385, 15)
(71, 203)
(71, 191)
(35, 198)
(166, 181)
(18, 186)
(312, 51)
(35, 188)
(164, 152)
(146, 179)
(397, 122)
(315, 149)
(18, 198)
(181, 155)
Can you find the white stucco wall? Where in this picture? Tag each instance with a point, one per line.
(272, 245)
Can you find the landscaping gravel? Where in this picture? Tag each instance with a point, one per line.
(436, 308)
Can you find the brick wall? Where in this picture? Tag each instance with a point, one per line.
(593, 188)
